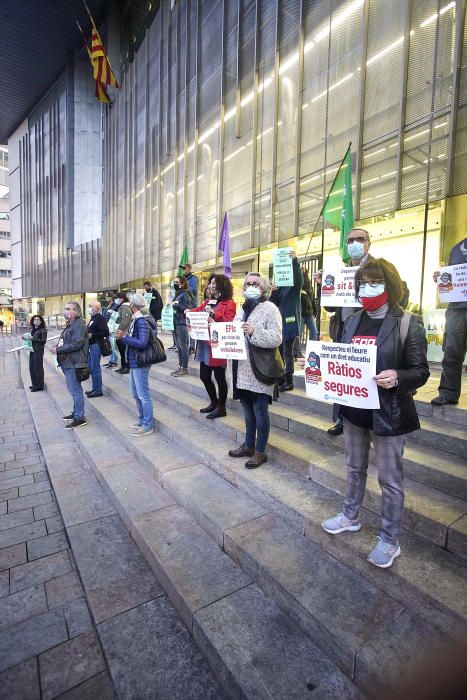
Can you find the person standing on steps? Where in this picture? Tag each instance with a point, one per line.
(455, 338)
(193, 284)
(72, 354)
(358, 246)
(182, 301)
(156, 304)
(111, 299)
(38, 336)
(402, 368)
(137, 338)
(97, 331)
(221, 308)
(262, 325)
(123, 323)
(288, 300)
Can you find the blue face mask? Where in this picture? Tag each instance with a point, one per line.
(369, 292)
(252, 293)
(356, 250)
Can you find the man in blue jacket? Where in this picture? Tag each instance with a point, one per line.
(193, 283)
(288, 300)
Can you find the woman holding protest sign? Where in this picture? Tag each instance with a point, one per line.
(402, 368)
(262, 325)
(38, 337)
(182, 300)
(221, 308)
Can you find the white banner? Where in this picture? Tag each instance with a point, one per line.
(283, 270)
(167, 318)
(198, 321)
(452, 283)
(338, 287)
(228, 341)
(340, 373)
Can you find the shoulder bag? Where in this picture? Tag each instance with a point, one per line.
(153, 353)
(267, 364)
(105, 346)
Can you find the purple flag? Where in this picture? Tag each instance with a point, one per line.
(224, 247)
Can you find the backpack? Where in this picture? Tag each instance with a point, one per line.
(404, 326)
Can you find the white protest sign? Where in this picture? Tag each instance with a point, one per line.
(341, 373)
(167, 318)
(228, 341)
(338, 288)
(452, 283)
(198, 321)
(148, 298)
(112, 322)
(283, 270)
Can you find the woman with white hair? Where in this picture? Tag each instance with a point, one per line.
(137, 338)
(262, 325)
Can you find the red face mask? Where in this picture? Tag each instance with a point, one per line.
(374, 303)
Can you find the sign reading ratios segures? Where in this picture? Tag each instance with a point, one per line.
(341, 373)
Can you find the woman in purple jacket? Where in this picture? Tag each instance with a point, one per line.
(137, 338)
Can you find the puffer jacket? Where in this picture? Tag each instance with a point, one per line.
(138, 336)
(73, 345)
(397, 413)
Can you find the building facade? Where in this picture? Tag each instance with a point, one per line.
(5, 239)
(248, 107)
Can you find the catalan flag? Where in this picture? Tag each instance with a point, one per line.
(102, 70)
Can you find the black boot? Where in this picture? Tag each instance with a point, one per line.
(208, 409)
(287, 385)
(219, 412)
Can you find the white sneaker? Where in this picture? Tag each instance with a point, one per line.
(339, 523)
(135, 425)
(384, 553)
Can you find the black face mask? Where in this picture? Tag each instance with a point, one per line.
(176, 287)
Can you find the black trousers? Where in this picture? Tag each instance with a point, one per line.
(205, 374)
(36, 368)
(455, 347)
(123, 357)
(286, 350)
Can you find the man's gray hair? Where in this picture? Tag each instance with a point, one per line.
(137, 300)
(263, 282)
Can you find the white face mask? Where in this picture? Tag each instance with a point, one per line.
(369, 292)
(89, 311)
(252, 293)
(356, 250)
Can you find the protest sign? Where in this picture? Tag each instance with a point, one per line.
(341, 373)
(338, 287)
(434, 321)
(228, 341)
(283, 271)
(452, 283)
(148, 298)
(112, 322)
(27, 343)
(167, 318)
(198, 321)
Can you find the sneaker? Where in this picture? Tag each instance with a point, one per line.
(135, 425)
(172, 374)
(76, 423)
(69, 417)
(384, 553)
(140, 431)
(339, 523)
(180, 372)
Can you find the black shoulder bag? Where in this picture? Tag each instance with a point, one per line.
(267, 364)
(153, 353)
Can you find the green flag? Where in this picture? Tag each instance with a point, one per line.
(183, 261)
(338, 208)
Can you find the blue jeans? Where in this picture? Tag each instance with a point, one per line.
(94, 364)
(76, 391)
(182, 339)
(257, 423)
(115, 351)
(309, 322)
(139, 387)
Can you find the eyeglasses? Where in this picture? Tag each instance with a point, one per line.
(253, 284)
(360, 239)
(372, 284)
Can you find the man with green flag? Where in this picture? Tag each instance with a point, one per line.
(338, 208)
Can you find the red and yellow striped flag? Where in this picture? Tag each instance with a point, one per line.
(103, 72)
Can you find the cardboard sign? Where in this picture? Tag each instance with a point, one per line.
(283, 270)
(148, 297)
(112, 322)
(341, 373)
(167, 318)
(27, 343)
(228, 341)
(198, 321)
(338, 287)
(452, 283)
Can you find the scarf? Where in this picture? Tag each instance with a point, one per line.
(250, 305)
(380, 312)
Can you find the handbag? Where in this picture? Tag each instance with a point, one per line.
(82, 373)
(105, 346)
(153, 353)
(267, 364)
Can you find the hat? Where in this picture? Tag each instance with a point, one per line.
(137, 300)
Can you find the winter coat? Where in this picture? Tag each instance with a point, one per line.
(193, 283)
(156, 304)
(39, 339)
(397, 414)
(73, 344)
(138, 336)
(183, 300)
(289, 303)
(97, 328)
(267, 321)
(224, 311)
(124, 317)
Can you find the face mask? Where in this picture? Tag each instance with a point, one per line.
(89, 310)
(252, 292)
(356, 250)
(118, 302)
(66, 314)
(176, 286)
(369, 292)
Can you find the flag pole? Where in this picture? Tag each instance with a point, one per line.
(105, 52)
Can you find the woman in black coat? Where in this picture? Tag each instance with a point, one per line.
(401, 368)
(36, 358)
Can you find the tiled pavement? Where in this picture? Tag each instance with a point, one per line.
(48, 643)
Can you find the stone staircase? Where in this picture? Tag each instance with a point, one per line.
(278, 607)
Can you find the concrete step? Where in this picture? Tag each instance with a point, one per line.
(434, 585)
(429, 465)
(229, 616)
(428, 510)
